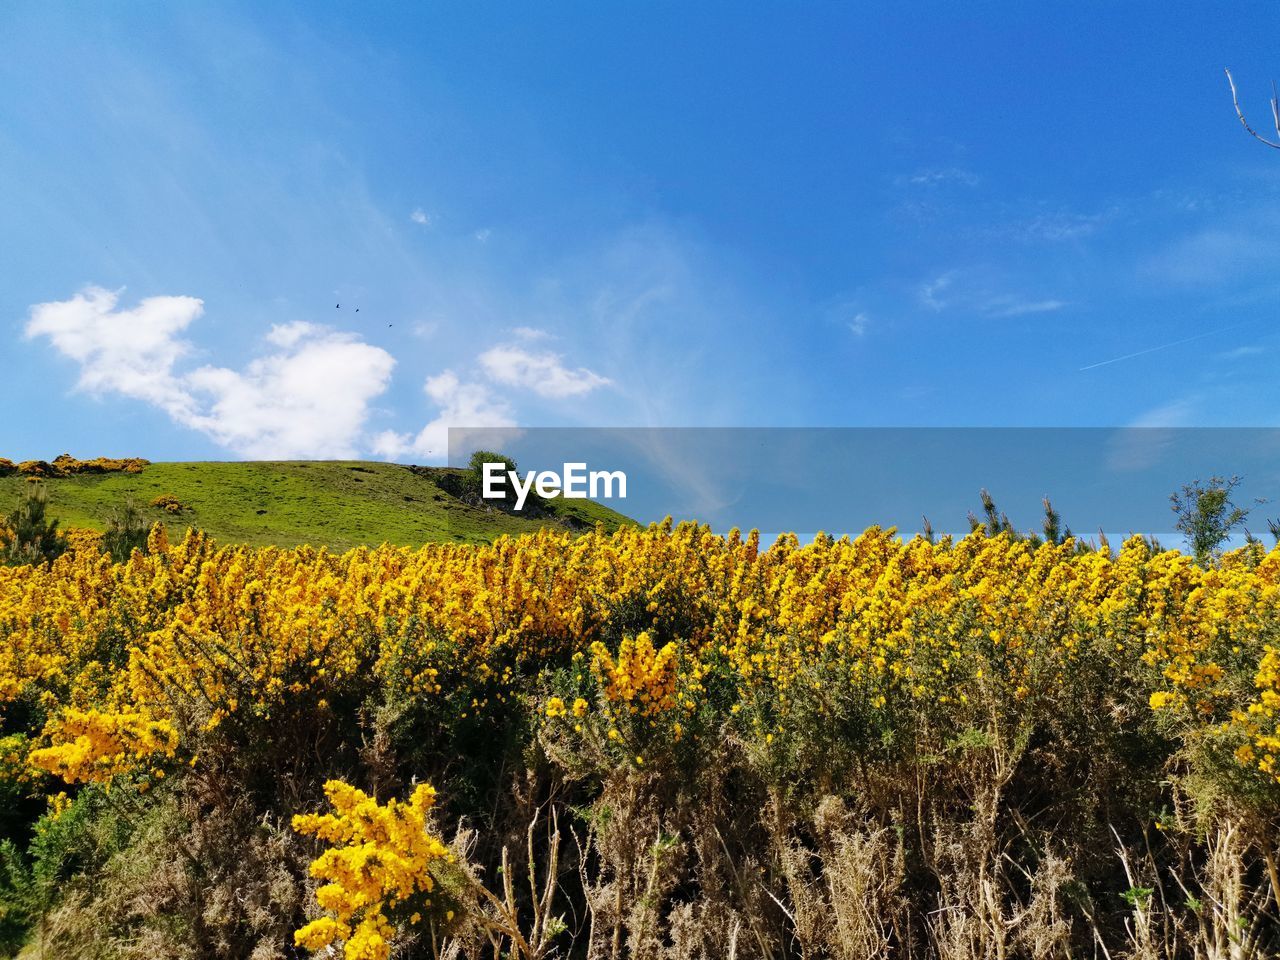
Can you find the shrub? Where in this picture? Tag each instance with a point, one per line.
(28, 535)
(126, 531)
(66, 465)
(654, 744)
(41, 469)
(168, 503)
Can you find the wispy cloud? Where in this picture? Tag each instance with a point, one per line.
(542, 372)
(931, 291)
(1175, 413)
(858, 325)
(474, 403)
(1212, 256)
(936, 176)
(1239, 353)
(1011, 305)
(1056, 227)
(1149, 437)
(1029, 223)
(420, 217)
(530, 333)
(947, 292)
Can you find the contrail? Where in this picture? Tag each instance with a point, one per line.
(1163, 346)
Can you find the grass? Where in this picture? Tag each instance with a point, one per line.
(341, 504)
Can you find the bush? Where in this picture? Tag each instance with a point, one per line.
(127, 531)
(66, 465)
(168, 503)
(41, 469)
(854, 748)
(69, 465)
(28, 535)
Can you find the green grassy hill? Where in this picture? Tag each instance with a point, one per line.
(339, 503)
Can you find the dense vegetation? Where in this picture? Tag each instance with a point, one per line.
(654, 743)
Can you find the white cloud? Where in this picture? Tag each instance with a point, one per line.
(131, 352)
(288, 334)
(858, 325)
(483, 235)
(472, 404)
(420, 217)
(544, 373)
(308, 398)
(461, 405)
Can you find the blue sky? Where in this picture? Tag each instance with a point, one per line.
(600, 214)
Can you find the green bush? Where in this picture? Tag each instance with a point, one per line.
(28, 536)
(127, 531)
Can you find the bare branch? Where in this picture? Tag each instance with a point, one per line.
(1275, 112)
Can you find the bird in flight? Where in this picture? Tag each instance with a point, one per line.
(337, 306)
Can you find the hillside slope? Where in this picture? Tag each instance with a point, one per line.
(338, 503)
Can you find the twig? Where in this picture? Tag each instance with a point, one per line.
(1275, 113)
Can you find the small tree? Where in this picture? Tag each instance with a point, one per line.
(28, 536)
(1207, 515)
(127, 530)
(476, 467)
(481, 457)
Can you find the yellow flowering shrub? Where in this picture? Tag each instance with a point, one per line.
(640, 679)
(378, 862)
(94, 746)
(666, 620)
(869, 660)
(1259, 720)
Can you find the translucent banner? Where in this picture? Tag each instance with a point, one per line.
(842, 480)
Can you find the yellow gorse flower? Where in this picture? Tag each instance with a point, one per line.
(640, 678)
(94, 746)
(193, 640)
(379, 856)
